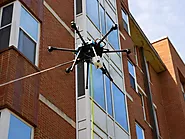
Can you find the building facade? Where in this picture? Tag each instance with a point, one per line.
(39, 100)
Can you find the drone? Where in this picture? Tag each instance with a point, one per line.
(90, 52)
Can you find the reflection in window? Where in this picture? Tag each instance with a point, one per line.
(113, 36)
(102, 16)
(18, 129)
(139, 132)
(7, 15)
(92, 12)
(132, 75)
(125, 20)
(120, 107)
(109, 96)
(98, 87)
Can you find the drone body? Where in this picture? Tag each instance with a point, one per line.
(90, 52)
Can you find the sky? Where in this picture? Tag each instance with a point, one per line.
(160, 18)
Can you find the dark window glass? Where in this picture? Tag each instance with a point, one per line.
(27, 46)
(97, 90)
(120, 107)
(139, 132)
(4, 37)
(78, 6)
(102, 14)
(7, 15)
(109, 96)
(80, 78)
(132, 82)
(113, 36)
(92, 12)
(18, 129)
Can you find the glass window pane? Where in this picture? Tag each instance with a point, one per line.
(27, 46)
(139, 132)
(97, 87)
(113, 36)
(92, 12)
(120, 107)
(4, 37)
(131, 69)
(102, 14)
(7, 15)
(132, 82)
(109, 96)
(18, 129)
(124, 16)
(29, 24)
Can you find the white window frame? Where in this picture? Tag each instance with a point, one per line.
(15, 27)
(182, 89)
(5, 123)
(141, 129)
(126, 14)
(128, 60)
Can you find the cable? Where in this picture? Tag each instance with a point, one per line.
(36, 73)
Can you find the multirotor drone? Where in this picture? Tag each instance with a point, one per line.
(90, 52)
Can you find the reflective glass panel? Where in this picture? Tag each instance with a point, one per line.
(29, 24)
(27, 46)
(4, 37)
(113, 36)
(132, 82)
(120, 107)
(92, 12)
(139, 132)
(98, 88)
(102, 14)
(109, 96)
(18, 129)
(131, 69)
(7, 15)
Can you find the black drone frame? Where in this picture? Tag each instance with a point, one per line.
(89, 50)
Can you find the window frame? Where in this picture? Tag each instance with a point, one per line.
(123, 20)
(15, 28)
(135, 78)
(5, 121)
(143, 133)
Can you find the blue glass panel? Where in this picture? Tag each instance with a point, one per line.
(29, 24)
(98, 90)
(102, 14)
(109, 96)
(18, 129)
(139, 132)
(131, 69)
(27, 46)
(92, 12)
(113, 36)
(120, 107)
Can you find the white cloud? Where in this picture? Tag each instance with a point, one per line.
(162, 18)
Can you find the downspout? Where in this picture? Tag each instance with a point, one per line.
(149, 94)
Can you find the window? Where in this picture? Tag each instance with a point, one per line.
(5, 26)
(14, 127)
(78, 6)
(102, 17)
(92, 12)
(20, 30)
(132, 75)
(139, 132)
(18, 129)
(142, 104)
(114, 104)
(182, 89)
(125, 20)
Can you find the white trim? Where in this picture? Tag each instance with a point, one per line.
(57, 110)
(121, 34)
(58, 18)
(141, 89)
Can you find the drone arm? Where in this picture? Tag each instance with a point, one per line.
(73, 25)
(125, 50)
(115, 27)
(50, 49)
(105, 71)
